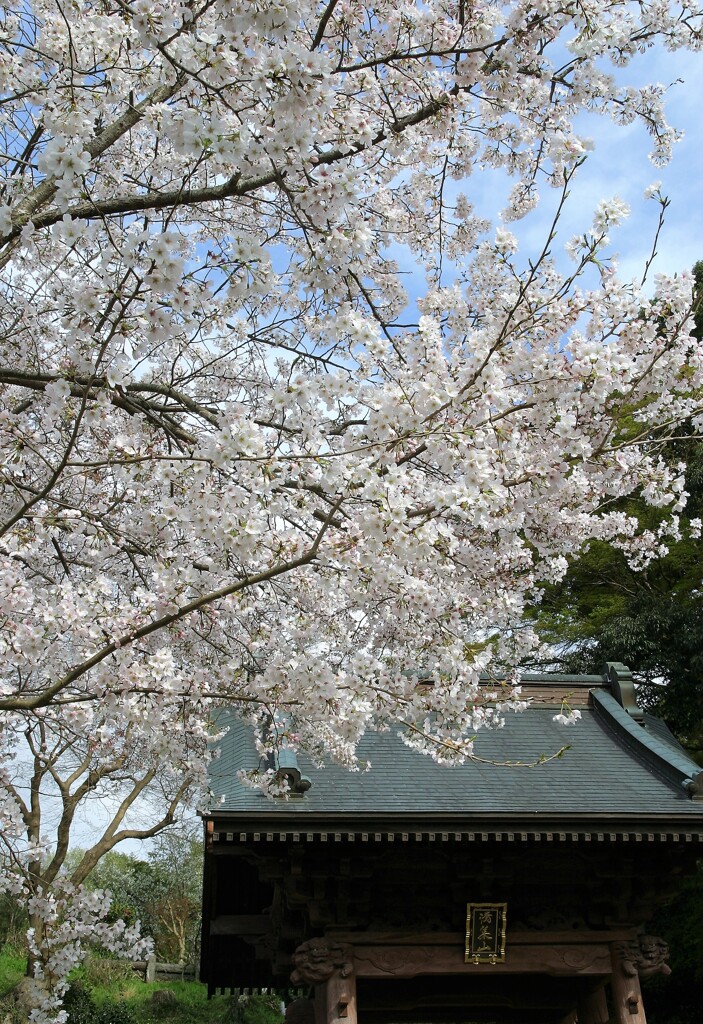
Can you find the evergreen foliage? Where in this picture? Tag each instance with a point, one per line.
(677, 998)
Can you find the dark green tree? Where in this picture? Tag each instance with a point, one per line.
(678, 997)
(131, 884)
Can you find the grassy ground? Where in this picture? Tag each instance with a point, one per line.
(12, 965)
(134, 1001)
(106, 992)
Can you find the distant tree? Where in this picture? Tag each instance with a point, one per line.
(163, 893)
(678, 997)
(175, 908)
(651, 621)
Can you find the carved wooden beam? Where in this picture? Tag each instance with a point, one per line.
(544, 937)
(240, 924)
(409, 961)
(644, 955)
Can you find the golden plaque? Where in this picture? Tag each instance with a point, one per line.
(485, 933)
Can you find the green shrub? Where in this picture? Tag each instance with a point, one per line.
(82, 1008)
(13, 922)
(100, 971)
(116, 1013)
(258, 1009)
(79, 1004)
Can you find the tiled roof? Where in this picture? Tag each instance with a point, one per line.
(613, 766)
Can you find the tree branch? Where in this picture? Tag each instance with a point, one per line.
(46, 696)
(234, 187)
(111, 837)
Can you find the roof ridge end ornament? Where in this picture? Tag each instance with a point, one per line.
(283, 757)
(694, 786)
(620, 678)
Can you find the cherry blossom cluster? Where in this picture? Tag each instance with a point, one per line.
(68, 921)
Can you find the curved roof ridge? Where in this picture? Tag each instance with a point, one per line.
(678, 767)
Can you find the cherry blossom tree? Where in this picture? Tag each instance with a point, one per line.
(236, 465)
(115, 780)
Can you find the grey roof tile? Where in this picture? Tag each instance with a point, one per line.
(608, 770)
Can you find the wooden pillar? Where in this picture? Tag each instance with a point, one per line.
(640, 958)
(321, 1004)
(329, 966)
(625, 986)
(593, 1007)
(335, 1000)
(627, 999)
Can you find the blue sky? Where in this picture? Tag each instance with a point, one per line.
(619, 165)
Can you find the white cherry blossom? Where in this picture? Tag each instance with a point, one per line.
(235, 465)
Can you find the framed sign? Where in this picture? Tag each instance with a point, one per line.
(485, 933)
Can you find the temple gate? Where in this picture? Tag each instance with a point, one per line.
(482, 892)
